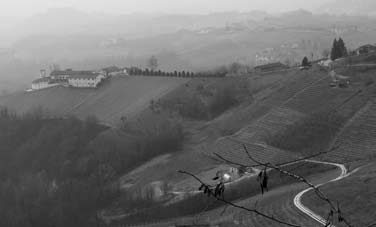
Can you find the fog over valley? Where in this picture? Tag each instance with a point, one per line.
(87, 33)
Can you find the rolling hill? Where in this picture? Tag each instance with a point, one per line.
(278, 101)
(125, 96)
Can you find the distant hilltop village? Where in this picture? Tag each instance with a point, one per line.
(72, 78)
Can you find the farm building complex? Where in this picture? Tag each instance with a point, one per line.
(72, 78)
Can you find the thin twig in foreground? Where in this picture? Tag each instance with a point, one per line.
(242, 207)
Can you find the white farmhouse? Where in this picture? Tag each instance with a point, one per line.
(88, 79)
(80, 79)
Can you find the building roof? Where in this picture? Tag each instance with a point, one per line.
(41, 80)
(367, 46)
(92, 76)
(71, 73)
(75, 74)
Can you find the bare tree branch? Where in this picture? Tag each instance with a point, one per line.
(229, 161)
(308, 157)
(334, 208)
(221, 199)
(318, 192)
(279, 164)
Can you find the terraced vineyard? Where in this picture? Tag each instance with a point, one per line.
(320, 97)
(357, 140)
(276, 120)
(232, 149)
(307, 93)
(253, 135)
(294, 83)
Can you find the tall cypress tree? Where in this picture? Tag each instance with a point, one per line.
(342, 47)
(339, 49)
(305, 62)
(334, 52)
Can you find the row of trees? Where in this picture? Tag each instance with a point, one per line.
(338, 50)
(134, 71)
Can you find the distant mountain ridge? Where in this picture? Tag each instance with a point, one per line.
(350, 7)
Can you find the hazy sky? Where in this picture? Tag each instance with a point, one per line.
(13, 10)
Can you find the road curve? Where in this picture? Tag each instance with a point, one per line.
(298, 198)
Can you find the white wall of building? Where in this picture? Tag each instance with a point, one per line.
(81, 82)
(42, 85)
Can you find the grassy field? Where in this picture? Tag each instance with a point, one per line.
(125, 96)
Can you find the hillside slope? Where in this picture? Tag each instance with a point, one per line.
(125, 96)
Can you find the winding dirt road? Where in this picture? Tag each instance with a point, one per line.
(298, 197)
(286, 202)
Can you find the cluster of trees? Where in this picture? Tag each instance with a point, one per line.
(48, 176)
(63, 172)
(207, 103)
(339, 49)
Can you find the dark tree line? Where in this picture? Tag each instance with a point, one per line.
(135, 71)
(63, 171)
